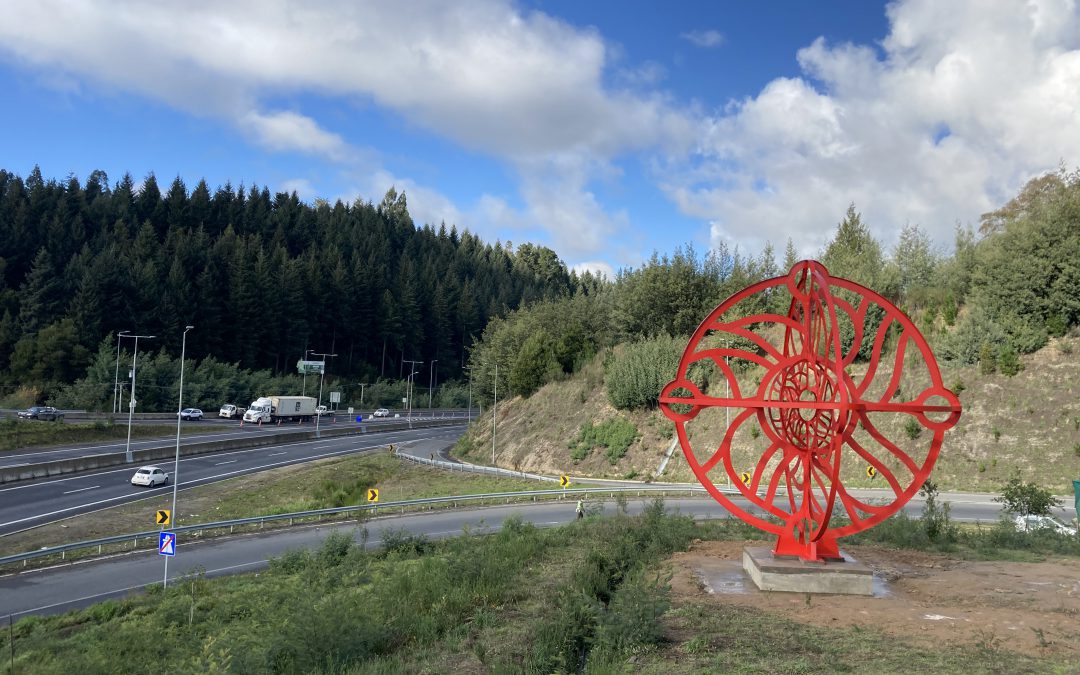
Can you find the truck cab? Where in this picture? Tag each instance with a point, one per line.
(260, 410)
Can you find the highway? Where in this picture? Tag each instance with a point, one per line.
(58, 589)
(28, 504)
(210, 429)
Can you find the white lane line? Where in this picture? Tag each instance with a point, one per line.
(206, 479)
(275, 454)
(231, 461)
(92, 487)
(194, 458)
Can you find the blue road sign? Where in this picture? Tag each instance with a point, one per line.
(359, 418)
(166, 544)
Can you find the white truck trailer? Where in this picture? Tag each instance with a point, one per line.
(285, 408)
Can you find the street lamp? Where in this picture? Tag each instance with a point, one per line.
(131, 399)
(176, 462)
(469, 371)
(494, 411)
(322, 374)
(408, 388)
(431, 373)
(116, 373)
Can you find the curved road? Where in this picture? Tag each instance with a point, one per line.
(31, 503)
(58, 589)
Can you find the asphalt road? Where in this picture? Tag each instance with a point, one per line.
(58, 589)
(29, 504)
(210, 429)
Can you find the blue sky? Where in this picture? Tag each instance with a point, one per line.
(605, 130)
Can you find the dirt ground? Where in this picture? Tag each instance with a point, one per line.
(1032, 608)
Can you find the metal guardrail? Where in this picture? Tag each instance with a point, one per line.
(318, 513)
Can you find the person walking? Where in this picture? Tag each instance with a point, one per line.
(580, 509)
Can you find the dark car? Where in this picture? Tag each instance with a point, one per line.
(41, 412)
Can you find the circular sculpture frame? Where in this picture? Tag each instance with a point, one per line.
(814, 405)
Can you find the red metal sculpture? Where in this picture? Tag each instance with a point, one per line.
(821, 412)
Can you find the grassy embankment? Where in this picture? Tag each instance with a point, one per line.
(593, 596)
(301, 487)
(16, 434)
(1026, 425)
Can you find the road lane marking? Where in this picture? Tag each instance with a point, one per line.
(207, 479)
(92, 487)
(275, 454)
(199, 457)
(231, 461)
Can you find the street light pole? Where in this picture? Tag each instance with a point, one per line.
(176, 461)
(322, 375)
(116, 373)
(408, 389)
(131, 399)
(494, 411)
(431, 372)
(469, 371)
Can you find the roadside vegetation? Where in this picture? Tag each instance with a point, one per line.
(16, 434)
(592, 597)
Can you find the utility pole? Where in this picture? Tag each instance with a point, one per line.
(116, 373)
(494, 411)
(131, 399)
(322, 375)
(176, 462)
(431, 373)
(408, 388)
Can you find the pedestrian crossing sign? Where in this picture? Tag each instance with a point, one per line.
(167, 543)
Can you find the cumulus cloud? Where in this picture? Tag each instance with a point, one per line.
(292, 131)
(517, 85)
(962, 103)
(706, 39)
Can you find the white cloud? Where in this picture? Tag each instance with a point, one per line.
(301, 186)
(706, 39)
(596, 267)
(292, 131)
(520, 86)
(963, 103)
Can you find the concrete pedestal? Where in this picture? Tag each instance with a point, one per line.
(794, 575)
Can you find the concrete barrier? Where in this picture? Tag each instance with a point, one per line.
(151, 455)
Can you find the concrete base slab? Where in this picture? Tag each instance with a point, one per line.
(794, 575)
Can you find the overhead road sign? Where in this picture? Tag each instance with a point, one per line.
(309, 367)
(163, 517)
(167, 543)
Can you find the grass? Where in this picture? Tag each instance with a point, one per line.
(300, 487)
(587, 597)
(18, 434)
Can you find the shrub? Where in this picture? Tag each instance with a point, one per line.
(912, 428)
(635, 375)
(987, 359)
(936, 519)
(1026, 499)
(617, 435)
(1009, 361)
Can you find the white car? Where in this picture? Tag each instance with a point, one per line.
(381, 412)
(1030, 523)
(229, 411)
(191, 414)
(321, 410)
(150, 476)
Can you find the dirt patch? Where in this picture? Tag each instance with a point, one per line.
(1029, 608)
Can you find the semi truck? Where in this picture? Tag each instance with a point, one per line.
(285, 408)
